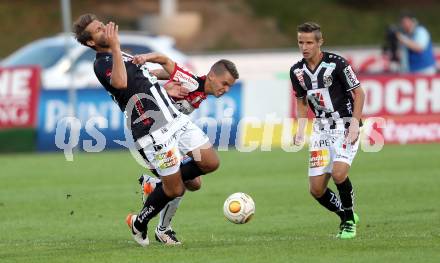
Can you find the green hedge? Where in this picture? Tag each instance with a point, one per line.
(17, 140)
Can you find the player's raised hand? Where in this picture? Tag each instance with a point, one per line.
(111, 33)
(176, 90)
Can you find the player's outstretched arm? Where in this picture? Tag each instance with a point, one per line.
(160, 74)
(167, 63)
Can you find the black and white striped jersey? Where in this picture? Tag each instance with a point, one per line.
(144, 100)
(327, 88)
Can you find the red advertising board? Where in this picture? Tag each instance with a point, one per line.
(19, 96)
(401, 95)
(408, 105)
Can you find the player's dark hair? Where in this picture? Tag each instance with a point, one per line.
(310, 27)
(224, 65)
(79, 28)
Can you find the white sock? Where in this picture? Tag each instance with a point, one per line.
(168, 213)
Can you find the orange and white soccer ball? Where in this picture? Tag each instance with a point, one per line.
(239, 208)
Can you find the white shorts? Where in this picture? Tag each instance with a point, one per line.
(329, 146)
(165, 148)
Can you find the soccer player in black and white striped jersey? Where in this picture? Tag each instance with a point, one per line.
(218, 81)
(157, 127)
(325, 82)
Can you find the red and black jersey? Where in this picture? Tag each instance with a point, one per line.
(327, 87)
(147, 103)
(193, 83)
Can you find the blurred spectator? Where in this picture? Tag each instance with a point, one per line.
(390, 48)
(416, 50)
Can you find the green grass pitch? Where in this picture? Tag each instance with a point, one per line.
(52, 210)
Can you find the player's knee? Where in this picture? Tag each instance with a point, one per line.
(339, 176)
(175, 190)
(178, 191)
(193, 185)
(214, 165)
(210, 166)
(316, 192)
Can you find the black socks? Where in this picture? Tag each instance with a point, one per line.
(347, 197)
(190, 170)
(155, 202)
(330, 201)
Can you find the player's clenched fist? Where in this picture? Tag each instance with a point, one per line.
(142, 58)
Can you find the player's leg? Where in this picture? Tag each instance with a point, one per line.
(191, 169)
(164, 232)
(194, 184)
(205, 158)
(343, 183)
(166, 163)
(324, 195)
(148, 183)
(171, 187)
(340, 177)
(194, 143)
(319, 172)
(341, 166)
(189, 139)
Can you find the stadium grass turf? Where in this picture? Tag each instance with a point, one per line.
(58, 211)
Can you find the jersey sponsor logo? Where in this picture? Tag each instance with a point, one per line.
(322, 143)
(300, 76)
(328, 80)
(328, 65)
(145, 212)
(319, 158)
(167, 159)
(349, 107)
(351, 77)
(187, 80)
(318, 102)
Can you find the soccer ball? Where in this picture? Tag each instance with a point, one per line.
(239, 208)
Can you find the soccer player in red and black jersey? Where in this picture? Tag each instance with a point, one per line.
(325, 82)
(217, 82)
